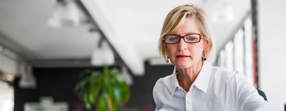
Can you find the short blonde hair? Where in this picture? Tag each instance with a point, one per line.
(176, 16)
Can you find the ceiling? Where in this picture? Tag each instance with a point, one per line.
(132, 27)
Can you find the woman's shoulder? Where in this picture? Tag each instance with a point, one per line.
(222, 78)
(162, 89)
(165, 84)
(165, 81)
(223, 73)
(217, 72)
(229, 78)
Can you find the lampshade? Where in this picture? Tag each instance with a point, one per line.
(27, 79)
(102, 56)
(66, 14)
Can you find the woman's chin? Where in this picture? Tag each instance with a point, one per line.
(183, 65)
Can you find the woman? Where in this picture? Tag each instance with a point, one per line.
(195, 85)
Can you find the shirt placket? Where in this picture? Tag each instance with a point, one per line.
(189, 104)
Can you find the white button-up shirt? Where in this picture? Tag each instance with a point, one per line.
(215, 89)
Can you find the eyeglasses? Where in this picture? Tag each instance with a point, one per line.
(189, 38)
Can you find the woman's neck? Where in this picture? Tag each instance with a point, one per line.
(186, 76)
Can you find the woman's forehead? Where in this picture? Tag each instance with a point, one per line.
(186, 26)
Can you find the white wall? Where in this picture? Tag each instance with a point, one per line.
(272, 51)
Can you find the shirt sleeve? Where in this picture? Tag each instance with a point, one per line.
(246, 94)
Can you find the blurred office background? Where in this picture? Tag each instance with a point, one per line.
(45, 45)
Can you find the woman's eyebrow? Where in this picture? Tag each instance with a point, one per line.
(188, 33)
(192, 33)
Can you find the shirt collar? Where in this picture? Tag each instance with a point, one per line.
(201, 82)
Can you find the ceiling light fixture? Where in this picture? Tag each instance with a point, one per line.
(102, 55)
(67, 13)
(27, 78)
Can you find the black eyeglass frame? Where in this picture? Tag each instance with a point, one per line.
(182, 37)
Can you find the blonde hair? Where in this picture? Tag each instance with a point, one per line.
(175, 18)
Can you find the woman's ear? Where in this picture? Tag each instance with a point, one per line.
(168, 59)
(206, 45)
(205, 49)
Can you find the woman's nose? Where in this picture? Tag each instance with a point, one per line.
(182, 45)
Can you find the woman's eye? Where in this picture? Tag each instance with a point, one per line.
(173, 38)
(192, 38)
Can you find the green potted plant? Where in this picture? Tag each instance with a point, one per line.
(103, 90)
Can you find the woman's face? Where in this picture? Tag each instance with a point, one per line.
(182, 54)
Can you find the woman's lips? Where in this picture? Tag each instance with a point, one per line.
(183, 56)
